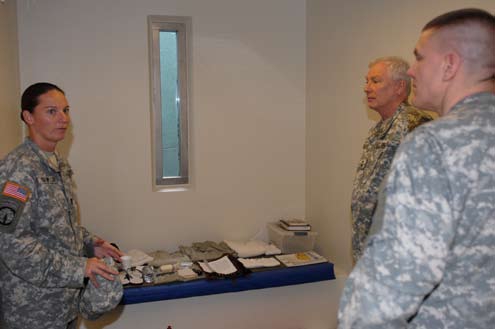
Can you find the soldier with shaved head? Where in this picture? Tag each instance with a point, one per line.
(430, 259)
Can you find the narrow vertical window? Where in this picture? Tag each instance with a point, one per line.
(169, 38)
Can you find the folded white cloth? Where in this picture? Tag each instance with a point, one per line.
(272, 250)
(186, 273)
(253, 248)
(259, 262)
(250, 248)
(139, 257)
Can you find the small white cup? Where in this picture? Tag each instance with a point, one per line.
(126, 262)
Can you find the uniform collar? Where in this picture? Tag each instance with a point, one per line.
(383, 126)
(43, 156)
(471, 98)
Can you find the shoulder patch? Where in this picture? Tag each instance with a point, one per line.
(12, 201)
(7, 216)
(16, 191)
(10, 213)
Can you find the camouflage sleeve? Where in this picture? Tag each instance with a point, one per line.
(417, 118)
(87, 236)
(90, 242)
(374, 166)
(405, 260)
(27, 258)
(406, 122)
(89, 239)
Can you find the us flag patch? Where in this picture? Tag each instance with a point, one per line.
(16, 191)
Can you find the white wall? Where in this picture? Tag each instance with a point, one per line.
(247, 115)
(343, 37)
(264, 144)
(10, 123)
(247, 135)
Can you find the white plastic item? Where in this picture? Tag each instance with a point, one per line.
(126, 262)
(291, 241)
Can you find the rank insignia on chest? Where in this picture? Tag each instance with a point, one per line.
(362, 163)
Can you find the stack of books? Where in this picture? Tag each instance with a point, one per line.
(295, 224)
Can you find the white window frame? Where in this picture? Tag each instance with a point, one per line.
(182, 25)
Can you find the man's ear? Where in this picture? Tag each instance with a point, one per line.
(28, 117)
(400, 87)
(450, 65)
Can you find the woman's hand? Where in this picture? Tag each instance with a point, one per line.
(96, 266)
(104, 248)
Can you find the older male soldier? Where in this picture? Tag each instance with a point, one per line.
(387, 88)
(431, 262)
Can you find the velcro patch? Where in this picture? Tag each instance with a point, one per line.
(12, 201)
(10, 212)
(16, 191)
(7, 216)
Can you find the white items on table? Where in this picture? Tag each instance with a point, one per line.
(291, 241)
(187, 273)
(301, 258)
(138, 257)
(220, 266)
(252, 248)
(126, 262)
(259, 262)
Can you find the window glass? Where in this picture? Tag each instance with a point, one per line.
(169, 58)
(170, 104)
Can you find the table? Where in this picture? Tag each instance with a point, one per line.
(275, 277)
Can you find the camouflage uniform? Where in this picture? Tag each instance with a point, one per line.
(378, 150)
(431, 263)
(42, 264)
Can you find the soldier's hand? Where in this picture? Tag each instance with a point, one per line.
(104, 248)
(97, 266)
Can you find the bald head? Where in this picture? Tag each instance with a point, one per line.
(471, 34)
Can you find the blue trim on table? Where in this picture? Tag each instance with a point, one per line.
(277, 277)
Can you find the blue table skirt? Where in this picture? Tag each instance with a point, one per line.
(276, 277)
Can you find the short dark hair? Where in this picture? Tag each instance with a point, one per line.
(29, 99)
(461, 16)
(479, 51)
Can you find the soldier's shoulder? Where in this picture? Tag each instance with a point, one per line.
(414, 112)
(415, 117)
(19, 159)
(19, 153)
